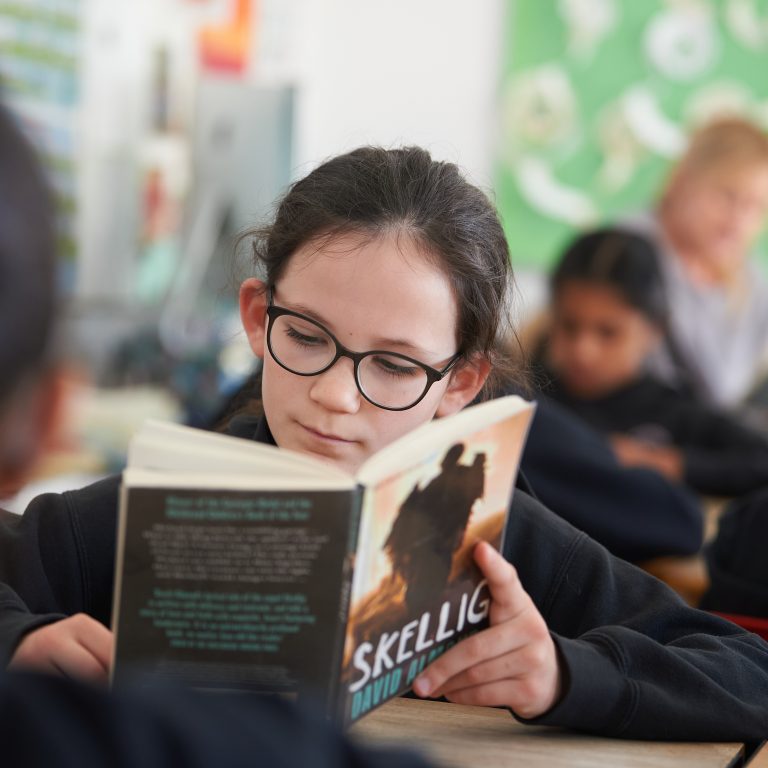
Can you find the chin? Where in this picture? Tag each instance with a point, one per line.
(590, 390)
(348, 464)
(580, 386)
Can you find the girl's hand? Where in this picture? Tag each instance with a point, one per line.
(638, 453)
(78, 646)
(513, 663)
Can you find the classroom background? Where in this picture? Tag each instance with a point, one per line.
(168, 126)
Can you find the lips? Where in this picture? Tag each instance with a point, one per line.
(325, 436)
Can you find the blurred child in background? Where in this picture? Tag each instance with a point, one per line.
(609, 315)
(709, 214)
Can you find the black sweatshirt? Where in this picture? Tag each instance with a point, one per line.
(637, 661)
(47, 721)
(720, 456)
(635, 512)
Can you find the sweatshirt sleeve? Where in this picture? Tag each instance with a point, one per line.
(57, 559)
(637, 661)
(721, 457)
(16, 620)
(636, 513)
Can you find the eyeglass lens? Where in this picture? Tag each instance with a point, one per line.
(387, 379)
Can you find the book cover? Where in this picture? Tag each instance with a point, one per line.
(416, 590)
(240, 565)
(230, 589)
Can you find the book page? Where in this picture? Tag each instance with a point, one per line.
(176, 448)
(411, 448)
(154, 478)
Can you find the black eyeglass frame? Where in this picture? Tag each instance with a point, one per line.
(433, 374)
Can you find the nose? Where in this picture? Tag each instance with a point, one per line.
(585, 350)
(747, 219)
(335, 389)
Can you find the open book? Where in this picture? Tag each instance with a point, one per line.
(243, 565)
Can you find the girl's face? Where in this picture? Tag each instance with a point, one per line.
(598, 342)
(371, 294)
(717, 214)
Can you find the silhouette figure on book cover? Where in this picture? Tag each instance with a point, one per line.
(430, 527)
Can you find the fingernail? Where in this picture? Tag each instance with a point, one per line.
(422, 686)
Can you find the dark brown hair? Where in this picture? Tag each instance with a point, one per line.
(374, 191)
(623, 261)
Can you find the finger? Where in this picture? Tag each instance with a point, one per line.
(469, 653)
(77, 662)
(508, 598)
(523, 661)
(22, 660)
(522, 696)
(94, 637)
(56, 650)
(497, 693)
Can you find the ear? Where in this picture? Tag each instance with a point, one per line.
(253, 314)
(30, 425)
(465, 382)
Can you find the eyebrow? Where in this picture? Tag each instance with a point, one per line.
(380, 343)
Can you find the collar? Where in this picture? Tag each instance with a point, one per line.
(251, 428)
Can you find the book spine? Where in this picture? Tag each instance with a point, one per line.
(336, 699)
(122, 521)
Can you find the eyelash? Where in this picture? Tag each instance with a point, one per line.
(302, 339)
(396, 371)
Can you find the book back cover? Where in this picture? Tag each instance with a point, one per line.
(233, 589)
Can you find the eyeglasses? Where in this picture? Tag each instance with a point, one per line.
(387, 380)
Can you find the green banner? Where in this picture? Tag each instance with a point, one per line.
(597, 99)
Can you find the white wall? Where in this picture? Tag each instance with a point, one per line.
(398, 72)
(387, 72)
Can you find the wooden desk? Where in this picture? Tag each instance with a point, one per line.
(688, 576)
(461, 736)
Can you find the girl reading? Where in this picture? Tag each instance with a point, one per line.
(394, 270)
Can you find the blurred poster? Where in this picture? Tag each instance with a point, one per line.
(40, 81)
(598, 97)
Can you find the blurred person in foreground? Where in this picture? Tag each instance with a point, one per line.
(55, 721)
(708, 216)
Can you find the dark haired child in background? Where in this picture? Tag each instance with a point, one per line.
(608, 317)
